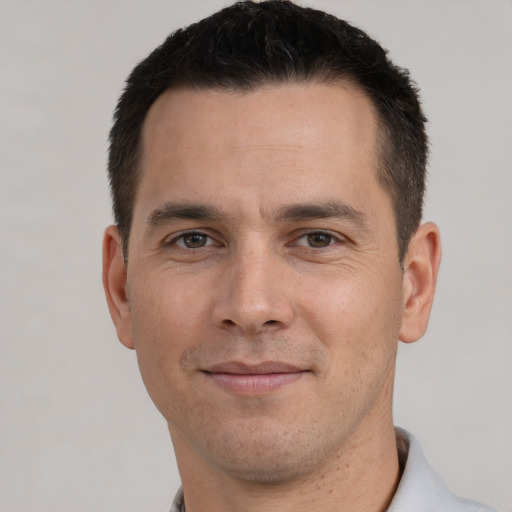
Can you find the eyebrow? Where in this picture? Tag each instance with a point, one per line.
(174, 211)
(333, 209)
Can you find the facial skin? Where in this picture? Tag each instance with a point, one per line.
(263, 292)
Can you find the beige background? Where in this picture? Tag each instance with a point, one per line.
(77, 431)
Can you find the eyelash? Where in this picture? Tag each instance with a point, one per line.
(182, 236)
(333, 239)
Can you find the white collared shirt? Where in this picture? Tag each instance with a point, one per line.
(420, 488)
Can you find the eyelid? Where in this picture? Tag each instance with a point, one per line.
(173, 238)
(336, 238)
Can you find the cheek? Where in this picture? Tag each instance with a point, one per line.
(168, 320)
(167, 309)
(355, 317)
(358, 325)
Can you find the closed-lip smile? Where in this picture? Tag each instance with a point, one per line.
(259, 379)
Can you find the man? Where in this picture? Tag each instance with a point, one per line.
(267, 166)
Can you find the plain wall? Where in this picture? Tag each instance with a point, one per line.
(77, 429)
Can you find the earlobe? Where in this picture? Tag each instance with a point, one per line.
(421, 267)
(114, 283)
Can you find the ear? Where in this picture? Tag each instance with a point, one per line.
(421, 267)
(114, 283)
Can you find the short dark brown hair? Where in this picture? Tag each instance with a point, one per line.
(248, 45)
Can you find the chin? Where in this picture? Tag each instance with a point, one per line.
(258, 453)
(272, 467)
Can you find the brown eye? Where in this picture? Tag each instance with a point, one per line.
(194, 240)
(319, 239)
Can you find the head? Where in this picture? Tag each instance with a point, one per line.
(249, 45)
(262, 163)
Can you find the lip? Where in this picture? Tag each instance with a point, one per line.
(253, 379)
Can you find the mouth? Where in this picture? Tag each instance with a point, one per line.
(253, 380)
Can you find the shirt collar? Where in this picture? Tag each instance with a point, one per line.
(420, 488)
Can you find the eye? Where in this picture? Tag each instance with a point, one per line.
(316, 239)
(192, 240)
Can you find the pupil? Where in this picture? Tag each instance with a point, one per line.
(319, 239)
(194, 240)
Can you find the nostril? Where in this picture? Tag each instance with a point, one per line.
(227, 323)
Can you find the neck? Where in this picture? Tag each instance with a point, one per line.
(362, 476)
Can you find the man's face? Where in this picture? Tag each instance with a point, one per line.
(264, 287)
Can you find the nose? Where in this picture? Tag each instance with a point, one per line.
(254, 293)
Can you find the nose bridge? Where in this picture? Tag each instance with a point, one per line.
(254, 297)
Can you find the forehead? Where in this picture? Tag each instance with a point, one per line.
(276, 142)
(311, 111)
